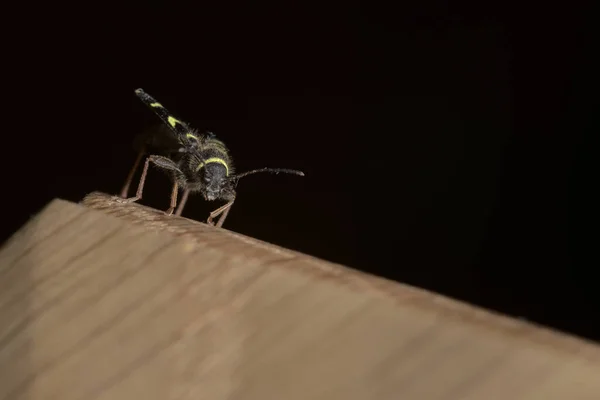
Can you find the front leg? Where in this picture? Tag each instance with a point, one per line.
(184, 198)
(161, 162)
(173, 199)
(223, 211)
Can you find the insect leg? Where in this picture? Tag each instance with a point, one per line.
(182, 202)
(173, 199)
(222, 211)
(129, 179)
(159, 161)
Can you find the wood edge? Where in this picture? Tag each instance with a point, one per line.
(340, 275)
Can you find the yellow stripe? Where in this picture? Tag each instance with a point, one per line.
(173, 121)
(156, 105)
(191, 136)
(214, 160)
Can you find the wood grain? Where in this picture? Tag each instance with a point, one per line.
(105, 300)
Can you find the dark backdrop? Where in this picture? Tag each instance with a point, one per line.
(443, 147)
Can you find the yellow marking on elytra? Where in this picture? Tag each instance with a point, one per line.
(191, 136)
(173, 121)
(156, 105)
(215, 160)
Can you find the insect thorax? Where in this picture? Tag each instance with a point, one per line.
(208, 160)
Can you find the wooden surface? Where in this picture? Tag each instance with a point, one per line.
(117, 301)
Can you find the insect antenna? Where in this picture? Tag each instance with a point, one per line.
(271, 170)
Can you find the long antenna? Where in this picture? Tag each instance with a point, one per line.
(272, 170)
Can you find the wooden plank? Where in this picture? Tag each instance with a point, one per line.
(118, 301)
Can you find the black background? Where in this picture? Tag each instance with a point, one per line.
(445, 147)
